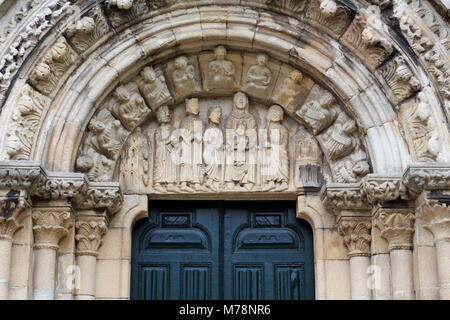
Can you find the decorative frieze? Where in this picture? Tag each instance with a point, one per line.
(356, 232)
(381, 188)
(396, 226)
(20, 175)
(61, 185)
(101, 196)
(339, 196)
(426, 176)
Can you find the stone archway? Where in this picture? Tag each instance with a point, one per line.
(349, 84)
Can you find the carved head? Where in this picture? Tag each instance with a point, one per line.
(13, 146)
(163, 114)
(96, 126)
(215, 114)
(148, 74)
(121, 94)
(59, 51)
(41, 72)
(275, 114)
(261, 59)
(86, 25)
(349, 127)
(326, 100)
(296, 76)
(361, 168)
(240, 101)
(220, 52)
(181, 63)
(192, 106)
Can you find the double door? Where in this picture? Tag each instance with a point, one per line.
(222, 250)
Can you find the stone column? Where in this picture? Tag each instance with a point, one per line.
(397, 227)
(50, 225)
(13, 204)
(356, 232)
(436, 218)
(90, 229)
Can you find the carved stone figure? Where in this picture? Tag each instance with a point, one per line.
(259, 76)
(221, 72)
(241, 143)
(184, 77)
(307, 155)
(352, 169)
(339, 141)
(152, 85)
(213, 156)
(287, 93)
(166, 153)
(134, 162)
(191, 131)
(128, 106)
(275, 167)
(319, 114)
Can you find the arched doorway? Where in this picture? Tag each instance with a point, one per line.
(222, 250)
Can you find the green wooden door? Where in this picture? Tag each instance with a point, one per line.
(222, 250)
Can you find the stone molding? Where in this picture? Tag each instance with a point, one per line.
(426, 176)
(356, 232)
(396, 226)
(32, 177)
(13, 204)
(89, 234)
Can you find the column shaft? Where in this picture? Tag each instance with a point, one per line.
(402, 274)
(87, 265)
(5, 264)
(359, 265)
(443, 263)
(44, 274)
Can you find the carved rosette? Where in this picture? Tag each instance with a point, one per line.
(89, 235)
(357, 236)
(50, 225)
(381, 188)
(396, 226)
(436, 218)
(427, 176)
(101, 196)
(343, 196)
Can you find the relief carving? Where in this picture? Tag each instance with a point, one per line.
(368, 37)
(128, 106)
(327, 14)
(319, 111)
(241, 145)
(185, 77)
(400, 79)
(259, 77)
(307, 159)
(221, 71)
(191, 131)
(289, 90)
(49, 71)
(351, 169)
(134, 165)
(275, 164)
(166, 153)
(96, 166)
(295, 6)
(24, 124)
(152, 85)
(85, 32)
(213, 152)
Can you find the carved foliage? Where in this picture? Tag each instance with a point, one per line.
(101, 196)
(396, 226)
(48, 72)
(12, 205)
(295, 6)
(83, 33)
(426, 177)
(436, 218)
(368, 37)
(50, 225)
(378, 188)
(89, 235)
(24, 124)
(344, 196)
(400, 79)
(357, 236)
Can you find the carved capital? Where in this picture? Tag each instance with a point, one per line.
(435, 216)
(426, 176)
(50, 225)
(381, 188)
(101, 195)
(13, 203)
(396, 226)
(61, 185)
(357, 235)
(343, 196)
(89, 234)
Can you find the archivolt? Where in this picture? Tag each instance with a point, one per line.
(65, 81)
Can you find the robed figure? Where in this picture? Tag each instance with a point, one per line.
(213, 156)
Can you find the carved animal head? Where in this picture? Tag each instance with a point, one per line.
(86, 25)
